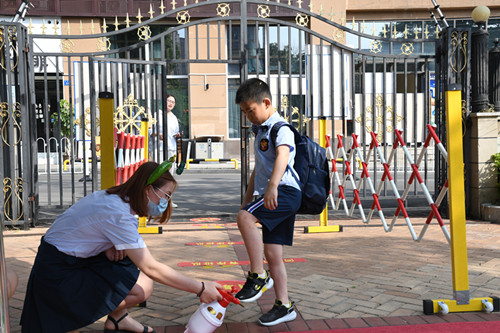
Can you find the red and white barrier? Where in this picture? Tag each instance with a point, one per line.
(335, 174)
(126, 167)
(348, 174)
(130, 155)
(415, 174)
(357, 155)
(121, 163)
(388, 176)
(366, 175)
(133, 166)
(139, 159)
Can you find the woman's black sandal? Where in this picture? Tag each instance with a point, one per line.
(118, 330)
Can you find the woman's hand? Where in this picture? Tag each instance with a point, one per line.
(211, 292)
(114, 255)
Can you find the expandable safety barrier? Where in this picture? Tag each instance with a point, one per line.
(355, 154)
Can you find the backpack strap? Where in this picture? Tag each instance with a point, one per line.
(274, 134)
(276, 127)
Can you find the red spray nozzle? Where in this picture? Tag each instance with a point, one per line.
(228, 297)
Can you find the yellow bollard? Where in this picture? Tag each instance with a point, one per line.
(108, 168)
(323, 216)
(460, 273)
(145, 134)
(144, 229)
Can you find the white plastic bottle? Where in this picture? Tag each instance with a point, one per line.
(210, 316)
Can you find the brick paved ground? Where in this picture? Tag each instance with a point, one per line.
(360, 277)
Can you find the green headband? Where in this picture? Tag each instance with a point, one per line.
(160, 170)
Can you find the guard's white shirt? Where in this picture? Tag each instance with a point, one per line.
(172, 130)
(94, 224)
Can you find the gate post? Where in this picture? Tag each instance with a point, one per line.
(16, 156)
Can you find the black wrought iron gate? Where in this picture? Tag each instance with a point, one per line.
(317, 65)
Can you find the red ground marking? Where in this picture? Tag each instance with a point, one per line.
(205, 219)
(215, 243)
(228, 284)
(230, 262)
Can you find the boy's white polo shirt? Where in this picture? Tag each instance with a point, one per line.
(265, 155)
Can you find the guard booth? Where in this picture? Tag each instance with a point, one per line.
(209, 147)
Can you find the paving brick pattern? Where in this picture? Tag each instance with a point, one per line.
(361, 277)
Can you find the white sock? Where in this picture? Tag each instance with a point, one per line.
(263, 275)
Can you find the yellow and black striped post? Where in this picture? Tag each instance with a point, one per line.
(460, 274)
(323, 216)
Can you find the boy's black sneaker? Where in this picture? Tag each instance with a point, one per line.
(254, 287)
(278, 314)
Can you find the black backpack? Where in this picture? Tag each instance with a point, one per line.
(312, 167)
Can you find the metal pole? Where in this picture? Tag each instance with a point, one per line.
(440, 13)
(460, 273)
(457, 193)
(245, 126)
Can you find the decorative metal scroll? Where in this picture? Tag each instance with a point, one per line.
(223, 9)
(459, 41)
(12, 53)
(375, 123)
(13, 195)
(128, 116)
(87, 124)
(6, 117)
(292, 113)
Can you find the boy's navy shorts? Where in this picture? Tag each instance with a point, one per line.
(277, 224)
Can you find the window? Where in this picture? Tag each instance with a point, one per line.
(284, 55)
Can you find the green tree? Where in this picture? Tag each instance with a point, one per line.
(496, 163)
(65, 118)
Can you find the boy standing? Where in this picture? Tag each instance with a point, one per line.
(275, 181)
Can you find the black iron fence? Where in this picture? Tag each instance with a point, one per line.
(316, 67)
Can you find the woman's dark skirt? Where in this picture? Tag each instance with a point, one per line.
(65, 293)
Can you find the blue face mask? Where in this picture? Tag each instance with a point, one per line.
(159, 208)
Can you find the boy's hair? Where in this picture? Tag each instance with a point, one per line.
(254, 90)
(132, 191)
